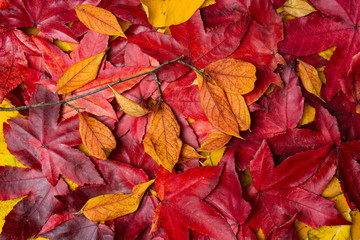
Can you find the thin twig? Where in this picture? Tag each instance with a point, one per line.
(158, 88)
(91, 92)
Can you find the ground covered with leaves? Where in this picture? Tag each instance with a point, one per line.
(193, 119)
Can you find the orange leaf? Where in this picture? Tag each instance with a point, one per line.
(214, 141)
(310, 79)
(355, 227)
(240, 110)
(97, 137)
(232, 75)
(188, 153)
(99, 20)
(162, 142)
(111, 206)
(217, 107)
(128, 106)
(79, 74)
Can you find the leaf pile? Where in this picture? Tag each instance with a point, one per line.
(149, 119)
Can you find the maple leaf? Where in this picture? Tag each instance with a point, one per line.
(79, 227)
(336, 28)
(181, 206)
(48, 16)
(277, 192)
(31, 213)
(42, 143)
(186, 39)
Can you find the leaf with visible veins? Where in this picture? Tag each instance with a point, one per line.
(42, 143)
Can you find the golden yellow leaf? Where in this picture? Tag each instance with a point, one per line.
(111, 206)
(128, 106)
(6, 158)
(99, 20)
(5, 208)
(310, 79)
(260, 234)
(163, 13)
(96, 136)
(298, 8)
(72, 186)
(214, 141)
(208, 3)
(302, 229)
(188, 153)
(341, 232)
(334, 193)
(162, 141)
(355, 227)
(327, 53)
(232, 75)
(217, 107)
(240, 110)
(213, 158)
(79, 74)
(65, 46)
(308, 115)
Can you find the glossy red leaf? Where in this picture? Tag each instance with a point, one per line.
(276, 192)
(42, 143)
(181, 205)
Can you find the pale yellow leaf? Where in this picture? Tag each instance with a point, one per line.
(72, 186)
(163, 13)
(128, 106)
(341, 232)
(327, 53)
(99, 20)
(162, 141)
(79, 74)
(65, 46)
(240, 110)
(217, 108)
(310, 79)
(214, 141)
(232, 75)
(96, 136)
(111, 206)
(308, 115)
(298, 8)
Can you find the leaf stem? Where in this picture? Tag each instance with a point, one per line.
(42, 104)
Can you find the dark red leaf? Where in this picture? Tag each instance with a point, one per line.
(42, 143)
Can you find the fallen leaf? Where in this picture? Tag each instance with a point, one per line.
(188, 153)
(232, 75)
(128, 106)
(213, 158)
(6, 206)
(214, 141)
(162, 141)
(217, 107)
(298, 8)
(96, 136)
(240, 110)
(355, 227)
(170, 12)
(99, 20)
(330, 232)
(79, 74)
(111, 206)
(308, 115)
(310, 79)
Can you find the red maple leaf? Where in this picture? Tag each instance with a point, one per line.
(275, 193)
(181, 205)
(31, 213)
(48, 16)
(315, 33)
(42, 143)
